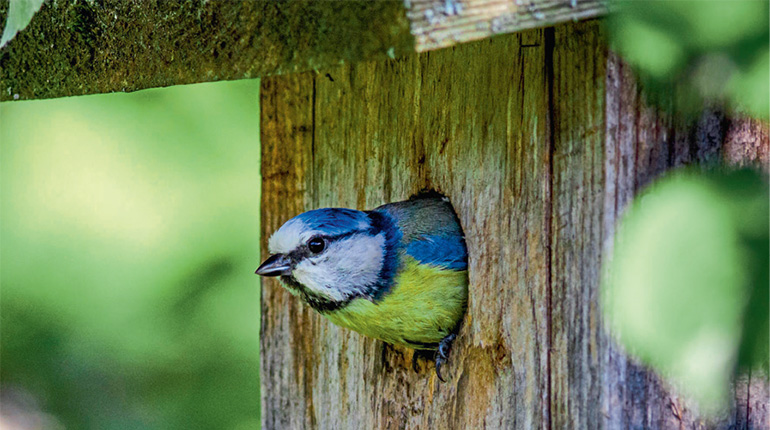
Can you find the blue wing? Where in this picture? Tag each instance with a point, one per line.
(430, 231)
(446, 251)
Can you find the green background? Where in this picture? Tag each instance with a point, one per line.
(129, 235)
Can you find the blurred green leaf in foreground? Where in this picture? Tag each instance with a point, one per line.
(20, 13)
(129, 237)
(687, 288)
(718, 50)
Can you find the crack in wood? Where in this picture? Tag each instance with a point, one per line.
(549, 42)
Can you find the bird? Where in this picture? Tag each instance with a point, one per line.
(397, 273)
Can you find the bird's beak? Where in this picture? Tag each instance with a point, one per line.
(276, 265)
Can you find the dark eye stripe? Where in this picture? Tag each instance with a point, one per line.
(303, 252)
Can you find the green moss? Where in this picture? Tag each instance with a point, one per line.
(83, 47)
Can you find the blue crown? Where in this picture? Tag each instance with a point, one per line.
(334, 221)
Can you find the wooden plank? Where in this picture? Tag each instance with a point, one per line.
(85, 47)
(287, 326)
(384, 130)
(578, 67)
(441, 23)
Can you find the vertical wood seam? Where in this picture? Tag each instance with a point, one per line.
(638, 101)
(313, 182)
(549, 42)
(748, 402)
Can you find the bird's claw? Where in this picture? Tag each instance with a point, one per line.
(442, 354)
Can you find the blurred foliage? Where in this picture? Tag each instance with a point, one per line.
(20, 13)
(687, 288)
(129, 237)
(717, 50)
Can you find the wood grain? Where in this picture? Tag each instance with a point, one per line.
(540, 139)
(287, 326)
(441, 23)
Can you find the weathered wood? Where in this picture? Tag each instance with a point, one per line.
(287, 369)
(84, 47)
(540, 140)
(746, 143)
(578, 67)
(384, 130)
(442, 23)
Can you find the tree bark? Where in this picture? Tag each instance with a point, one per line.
(540, 139)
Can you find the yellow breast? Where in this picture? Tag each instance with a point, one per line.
(425, 304)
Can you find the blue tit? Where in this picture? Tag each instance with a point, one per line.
(398, 273)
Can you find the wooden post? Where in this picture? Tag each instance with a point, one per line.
(539, 140)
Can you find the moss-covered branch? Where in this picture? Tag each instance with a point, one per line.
(86, 47)
(83, 47)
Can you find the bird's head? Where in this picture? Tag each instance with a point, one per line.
(331, 256)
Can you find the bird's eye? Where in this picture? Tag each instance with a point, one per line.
(316, 245)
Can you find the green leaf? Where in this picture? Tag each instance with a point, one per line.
(713, 51)
(648, 47)
(20, 13)
(750, 87)
(686, 290)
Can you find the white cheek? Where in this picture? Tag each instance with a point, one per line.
(346, 267)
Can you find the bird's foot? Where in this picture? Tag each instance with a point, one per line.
(442, 354)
